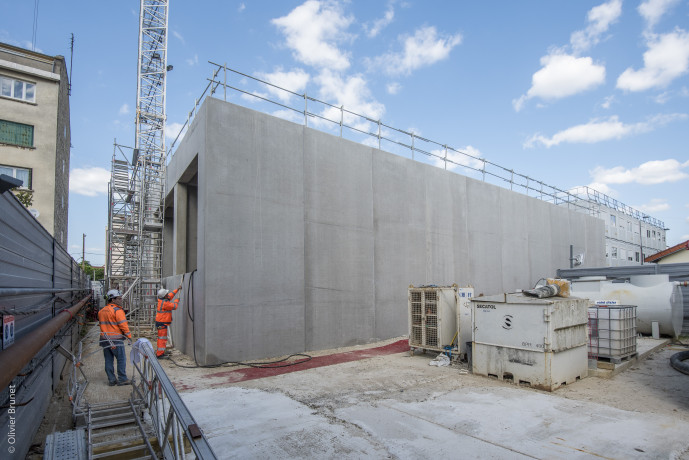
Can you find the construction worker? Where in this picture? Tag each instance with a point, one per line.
(113, 330)
(164, 317)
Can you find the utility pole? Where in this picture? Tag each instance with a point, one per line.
(83, 250)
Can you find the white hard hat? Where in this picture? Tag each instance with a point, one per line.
(162, 293)
(112, 293)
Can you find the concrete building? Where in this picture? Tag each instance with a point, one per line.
(35, 132)
(300, 240)
(630, 235)
(677, 254)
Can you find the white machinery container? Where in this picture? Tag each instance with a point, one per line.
(655, 296)
(464, 318)
(612, 332)
(539, 342)
(432, 317)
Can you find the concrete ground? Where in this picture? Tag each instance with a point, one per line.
(397, 406)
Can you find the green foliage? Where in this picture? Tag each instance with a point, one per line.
(25, 197)
(96, 274)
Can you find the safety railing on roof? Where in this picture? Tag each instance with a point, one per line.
(333, 118)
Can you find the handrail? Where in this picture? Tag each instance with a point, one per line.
(169, 415)
(584, 198)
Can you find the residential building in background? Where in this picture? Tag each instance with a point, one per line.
(677, 254)
(630, 235)
(35, 132)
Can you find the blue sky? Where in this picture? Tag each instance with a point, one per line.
(571, 93)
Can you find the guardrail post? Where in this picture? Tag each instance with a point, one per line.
(306, 121)
(412, 145)
(379, 134)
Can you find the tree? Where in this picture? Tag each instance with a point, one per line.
(96, 273)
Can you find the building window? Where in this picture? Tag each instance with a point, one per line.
(22, 174)
(648, 233)
(613, 252)
(613, 220)
(16, 133)
(17, 89)
(637, 256)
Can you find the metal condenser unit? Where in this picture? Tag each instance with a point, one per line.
(432, 317)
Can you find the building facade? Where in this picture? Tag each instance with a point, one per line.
(630, 235)
(292, 239)
(35, 132)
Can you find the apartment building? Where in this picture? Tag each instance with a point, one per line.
(35, 132)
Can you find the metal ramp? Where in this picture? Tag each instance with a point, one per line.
(153, 423)
(116, 429)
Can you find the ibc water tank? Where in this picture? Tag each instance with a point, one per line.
(656, 297)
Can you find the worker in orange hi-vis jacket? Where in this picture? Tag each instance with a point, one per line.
(114, 329)
(164, 317)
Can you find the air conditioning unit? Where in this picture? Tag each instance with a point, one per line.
(432, 317)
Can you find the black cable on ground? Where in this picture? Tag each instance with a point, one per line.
(259, 365)
(191, 313)
(677, 362)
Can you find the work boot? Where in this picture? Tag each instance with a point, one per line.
(124, 382)
(112, 384)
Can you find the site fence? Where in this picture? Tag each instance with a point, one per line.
(336, 119)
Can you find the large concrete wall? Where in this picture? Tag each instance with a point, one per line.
(308, 241)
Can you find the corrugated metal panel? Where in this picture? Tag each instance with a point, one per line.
(31, 258)
(677, 272)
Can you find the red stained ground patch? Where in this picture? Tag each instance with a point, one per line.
(252, 373)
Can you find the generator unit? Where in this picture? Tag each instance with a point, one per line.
(432, 317)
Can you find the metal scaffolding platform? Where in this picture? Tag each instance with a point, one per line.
(135, 223)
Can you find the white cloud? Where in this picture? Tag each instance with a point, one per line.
(313, 32)
(464, 157)
(601, 130)
(251, 96)
(607, 102)
(562, 75)
(380, 24)
(604, 188)
(124, 110)
(241, 7)
(178, 36)
(193, 61)
(667, 58)
(173, 129)
(653, 10)
(393, 88)
(599, 20)
(351, 92)
(89, 181)
(655, 205)
(294, 80)
(649, 173)
(422, 49)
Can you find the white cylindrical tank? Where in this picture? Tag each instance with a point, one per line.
(655, 296)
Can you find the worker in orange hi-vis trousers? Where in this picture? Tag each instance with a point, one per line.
(164, 317)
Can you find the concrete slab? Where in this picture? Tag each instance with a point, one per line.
(644, 347)
(397, 406)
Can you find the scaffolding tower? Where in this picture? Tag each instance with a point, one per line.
(137, 187)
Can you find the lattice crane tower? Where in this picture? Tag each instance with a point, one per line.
(150, 143)
(135, 218)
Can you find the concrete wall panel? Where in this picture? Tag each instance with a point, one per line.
(339, 241)
(308, 241)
